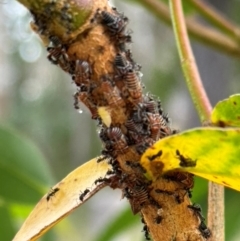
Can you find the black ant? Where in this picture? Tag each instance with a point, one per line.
(151, 158)
(206, 233)
(52, 193)
(197, 211)
(81, 197)
(146, 232)
(158, 219)
(101, 180)
(184, 161)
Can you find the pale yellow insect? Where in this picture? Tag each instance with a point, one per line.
(105, 114)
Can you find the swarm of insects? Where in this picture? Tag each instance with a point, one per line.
(129, 121)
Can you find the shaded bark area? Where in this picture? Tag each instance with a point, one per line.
(95, 52)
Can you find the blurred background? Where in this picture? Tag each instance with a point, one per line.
(43, 138)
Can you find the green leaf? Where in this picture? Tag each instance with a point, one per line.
(227, 112)
(23, 169)
(6, 224)
(211, 153)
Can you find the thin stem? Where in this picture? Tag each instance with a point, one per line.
(216, 211)
(216, 18)
(189, 67)
(203, 106)
(202, 33)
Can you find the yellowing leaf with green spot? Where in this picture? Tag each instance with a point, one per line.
(211, 153)
(62, 199)
(227, 112)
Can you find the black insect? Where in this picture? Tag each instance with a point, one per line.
(55, 41)
(55, 54)
(116, 168)
(205, 231)
(121, 65)
(101, 180)
(159, 106)
(110, 172)
(158, 154)
(158, 219)
(184, 161)
(197, 210)
(81, 197)
(155, 203)
(137, 67)
(146, 232)
(166, 117)
(52, 193)
(159, 191)
(102, 158)
(127, 193)
(76, 101)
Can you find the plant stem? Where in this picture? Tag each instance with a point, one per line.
(203, 106)
(189, 66)
(216, 18)
(202, 33)
(215, 214)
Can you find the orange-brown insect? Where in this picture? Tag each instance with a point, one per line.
(151, 106)
(117, 139)
(133, 85)
(132, 126)
(116, 26)
(155, 123)
(84, 97)
(158, 126)
(111, 94)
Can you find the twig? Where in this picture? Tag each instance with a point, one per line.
(202, 33)
(216, 18)
(189, 66)
(203, 106)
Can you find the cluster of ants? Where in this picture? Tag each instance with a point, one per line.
(145, 121)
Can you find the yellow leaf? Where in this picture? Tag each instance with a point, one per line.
(227, 112)
(62, 199)
(211, 153)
